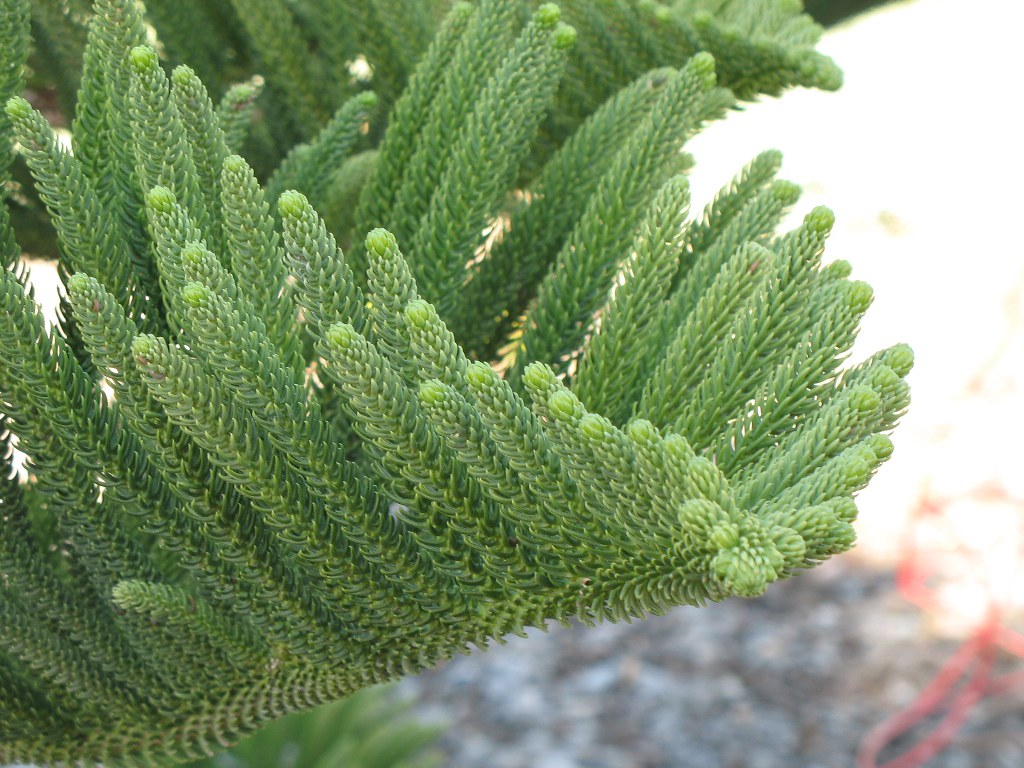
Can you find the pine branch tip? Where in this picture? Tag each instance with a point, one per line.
(885, 378)
(820, 219)
(380, 240)
(143, 58)
(565, 36)
(861, 296)
(79, 283)
(901, 359)
(368, 100)
(195, 294)
(564, 405)
(479, 374)
(786, 192)
(183, 75)
(418, 313)
(146, 347)
(881, 446)
(548, 15)
(595, 427)
(193, 253)
(839, 269)
(641, 431)
(18, 108)
(863, 399)
(161, 199)
(539, 376)
(432, 392)
(234, 164)
(341, 336)
(292, 204)
(702, 67)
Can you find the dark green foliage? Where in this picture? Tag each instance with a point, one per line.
(463, 364)
(368, 729)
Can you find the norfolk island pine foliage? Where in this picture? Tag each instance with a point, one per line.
(408, 344)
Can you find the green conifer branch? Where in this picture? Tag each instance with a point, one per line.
(165, 156)
(308, 167)
(403, 454)
(707, 257)
(188, 33)
(212, 527)
(240, 356)
(14, 47)
(206, 138)
(485, 157)
(103, 137)
(730, 202)
(508, 275)
(245, 524)
(777, 36)
(492, 28)
(248, 462)
(254, 256)
(614, 365)
(91, 239)
(611, 53)
(532, 465)
(407, 115)
(273, 31)
(390, 286)
(514, 553)
(326, 288)
(235, 111)
(559, 317)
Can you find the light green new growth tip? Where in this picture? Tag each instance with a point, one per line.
(421, 347)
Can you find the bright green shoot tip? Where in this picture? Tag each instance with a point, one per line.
(341, 336)
(144, 347)
(641, 431)
(563, 405)
(820, 219)
(786, 192)
(18, 108)
(594, 427)
(432, 392)
(183, 75)
(195, 294)
(417, 313)
(380, 240)
(565, 36)
(235, 164)
(703, 66)
(539, 376)
(548, 14)
(143, 58)
(161, 199)
(78, 282)
(901, 359)
(861, 296)
(292, 204)
(479, 374)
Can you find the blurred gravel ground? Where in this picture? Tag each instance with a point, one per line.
(792, 679)
(919, 155)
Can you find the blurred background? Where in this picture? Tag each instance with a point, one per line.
(919, 155)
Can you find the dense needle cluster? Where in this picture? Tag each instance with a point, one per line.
(502, 377)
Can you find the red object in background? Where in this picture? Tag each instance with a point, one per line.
(966, 677)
